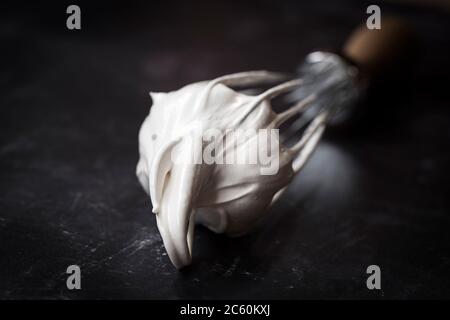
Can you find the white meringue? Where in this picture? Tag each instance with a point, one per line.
(226, 198)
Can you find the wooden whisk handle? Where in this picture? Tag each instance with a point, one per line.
(373, 51)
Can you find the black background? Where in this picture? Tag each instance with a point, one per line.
(71, 104)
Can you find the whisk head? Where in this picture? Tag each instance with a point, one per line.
(225, 198)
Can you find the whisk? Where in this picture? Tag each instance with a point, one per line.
(230, 199)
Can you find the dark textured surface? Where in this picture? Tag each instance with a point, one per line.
(71, 106)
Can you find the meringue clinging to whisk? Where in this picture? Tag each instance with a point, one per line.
(226, 198)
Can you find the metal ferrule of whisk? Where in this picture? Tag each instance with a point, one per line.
(333, 81)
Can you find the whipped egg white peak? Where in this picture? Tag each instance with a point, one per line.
(226, 198)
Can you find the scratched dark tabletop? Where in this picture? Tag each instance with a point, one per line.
(71, 104)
